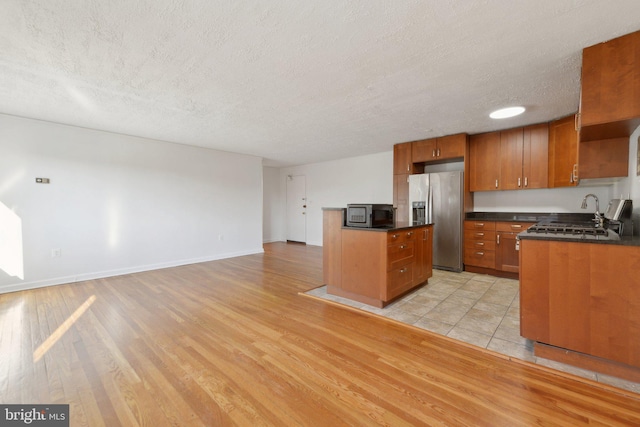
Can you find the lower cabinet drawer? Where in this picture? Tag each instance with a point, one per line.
(480, 245)
(399, 254)
(480, 258)
(399, 280)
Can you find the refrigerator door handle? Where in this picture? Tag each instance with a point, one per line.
(429, 220)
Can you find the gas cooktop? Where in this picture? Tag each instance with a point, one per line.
(573, 231)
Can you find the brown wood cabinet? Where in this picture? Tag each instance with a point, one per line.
(439, 149)
(424, 254)
(582, 297)
(563, 153)
(610, 97)
(535, 156)
(374, 266)
(511, 159)
(480, 244)
(507, 255)
(402, 162)
(484, 161)
(401, 196)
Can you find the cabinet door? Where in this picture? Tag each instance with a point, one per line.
(611, 81)
(401, 197)
(511, 159)
(484, 161)
(451, 146)
(563, 153)
(424, 255)
(424, 150)
(402, 163)
(506, 253)
(535, 160)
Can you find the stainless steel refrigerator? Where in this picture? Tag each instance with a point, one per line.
(436, 198)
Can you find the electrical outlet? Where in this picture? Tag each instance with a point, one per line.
(42, 180)
(56, 253)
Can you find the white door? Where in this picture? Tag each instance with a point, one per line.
(296, 208)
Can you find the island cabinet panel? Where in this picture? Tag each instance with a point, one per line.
(332, 222)
(423, 265)
(363, 273)
(583, 297)
(374, 266)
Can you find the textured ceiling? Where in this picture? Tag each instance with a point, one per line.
(295, 81)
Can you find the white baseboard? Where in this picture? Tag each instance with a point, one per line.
(119, 272)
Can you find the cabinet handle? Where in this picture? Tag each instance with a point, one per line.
(402, 246)
(518, 181)
(526, 181)
(408, 168)
(394, 236)
(480, 253)
(404, 270)
(479, 243)
(479, 234)
(438, 153)
(479, 224)
(574, 173)
(433, 153)
(496, 183)
(516, 226)
(576, 121)
(425, 234)
(498, 239)
(409, 234)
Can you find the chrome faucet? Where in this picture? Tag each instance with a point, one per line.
(599, 220)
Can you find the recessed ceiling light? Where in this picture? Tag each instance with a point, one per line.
(505, 113)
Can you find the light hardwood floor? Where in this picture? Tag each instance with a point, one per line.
(232, 342)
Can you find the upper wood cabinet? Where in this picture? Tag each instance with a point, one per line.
(535, 156)
(402, 162)
(441, 148)
(511, 150)
(484, 161)
(563, 153)
(512, 159)
(610, 98)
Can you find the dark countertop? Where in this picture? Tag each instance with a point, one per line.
(542, 216)
(529, 217)
(624, 241)
(399, 226)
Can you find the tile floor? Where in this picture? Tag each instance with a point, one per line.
(475, 308)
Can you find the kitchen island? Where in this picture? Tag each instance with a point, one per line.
(580, 301)
(374, 265)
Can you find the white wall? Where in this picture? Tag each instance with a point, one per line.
(552, 200)
(363, 179)
(630, 187)
(274, 227)
(117, 204)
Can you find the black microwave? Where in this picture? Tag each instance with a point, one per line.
(369, 215)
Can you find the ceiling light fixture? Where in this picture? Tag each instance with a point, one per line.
(505, 113)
